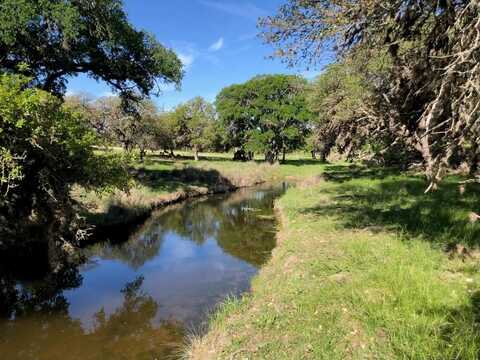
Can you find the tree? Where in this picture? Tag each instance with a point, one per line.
(114, 124)
(46, 148)
(232, 104)
(195, 121)
(165, 133)
(58, 39)
(431, 101)
(339, 98)
(267, 114)
(146, 131)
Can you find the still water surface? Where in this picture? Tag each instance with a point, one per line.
(138, 300)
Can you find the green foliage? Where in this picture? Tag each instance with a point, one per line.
(165, 132)
(426, 105)
(10, 171)
(340, 98)
(45, 149)
(232, 104)
(195, 125)
(61, 38)
(267, 114)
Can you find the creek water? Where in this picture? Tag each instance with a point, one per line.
(139, 299)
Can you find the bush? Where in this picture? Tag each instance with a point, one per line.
(45, 149)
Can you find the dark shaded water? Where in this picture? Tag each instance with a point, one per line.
(137, 300)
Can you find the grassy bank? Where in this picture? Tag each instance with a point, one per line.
(161, 181)
(361, 270)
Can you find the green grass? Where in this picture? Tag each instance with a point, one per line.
(360, 271)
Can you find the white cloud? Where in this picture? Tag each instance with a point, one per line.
(71, 92)
(186, 59)
(246, 10)
(217, 45)
(108, 94)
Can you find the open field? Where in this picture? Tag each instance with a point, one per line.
(365, 267)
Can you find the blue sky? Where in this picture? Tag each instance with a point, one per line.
(215, 39)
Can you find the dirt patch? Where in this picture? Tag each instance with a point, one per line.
(340, 278)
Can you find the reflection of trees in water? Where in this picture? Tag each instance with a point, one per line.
(39, 298)
(241, 223)
(36, 322)
(126, 334)
(142, 246)
(248, 229)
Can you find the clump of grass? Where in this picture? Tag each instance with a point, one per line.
(341, 287)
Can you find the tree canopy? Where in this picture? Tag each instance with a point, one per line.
(267, 114)
(57, 39)
(46, 146)
(195, 124)
(430, 100)
(45, 149)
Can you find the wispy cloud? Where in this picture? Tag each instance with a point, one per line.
(186, 59)
(70, 92)
(217, 45)
(246, 10)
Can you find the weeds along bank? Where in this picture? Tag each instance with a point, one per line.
(360, 271)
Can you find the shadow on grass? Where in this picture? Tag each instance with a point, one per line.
(170, 180)
(342, 173)
(380, 198)
(302, 162)
(168, 159)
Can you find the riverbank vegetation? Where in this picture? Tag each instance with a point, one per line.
(45, 147)
(158, 181)
(357, 273)
(401, 92)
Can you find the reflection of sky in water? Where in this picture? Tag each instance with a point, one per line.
(185, 278)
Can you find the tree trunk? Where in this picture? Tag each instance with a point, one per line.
(142, 155)
(239, 155)
(432, 169)
(314, 155)
(474, 161)
(195, 154)
(323, 156)
(284, 155)
(270, 157)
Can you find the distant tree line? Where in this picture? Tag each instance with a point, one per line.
(267, 115)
